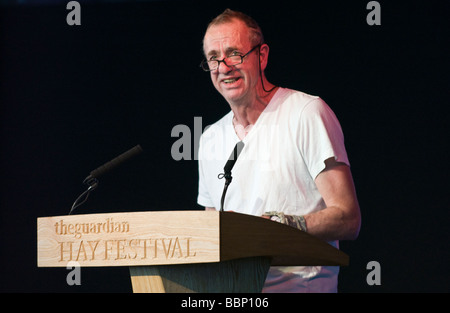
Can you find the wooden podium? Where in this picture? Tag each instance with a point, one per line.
(181, 251)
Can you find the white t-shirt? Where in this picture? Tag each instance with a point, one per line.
(283, 153)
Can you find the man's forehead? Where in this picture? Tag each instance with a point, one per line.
(232, 34)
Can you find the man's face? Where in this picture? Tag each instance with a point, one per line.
(235, 83)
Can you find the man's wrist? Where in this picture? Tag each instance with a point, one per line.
(297, 221)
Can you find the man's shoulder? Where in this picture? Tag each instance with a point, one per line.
(296, 101)
(297, 96)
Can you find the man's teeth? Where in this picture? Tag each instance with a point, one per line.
(231, 80)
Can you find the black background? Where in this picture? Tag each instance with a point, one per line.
(74, 97)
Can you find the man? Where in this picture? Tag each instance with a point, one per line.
(293, 168)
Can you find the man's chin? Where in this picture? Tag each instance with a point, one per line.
(232, 96)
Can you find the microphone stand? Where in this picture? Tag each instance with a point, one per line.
(92, 182)
(228, 179)
(227, 170)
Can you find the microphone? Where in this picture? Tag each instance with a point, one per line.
(116, 162)
(227, 169)
(232, 159)
(92, 181)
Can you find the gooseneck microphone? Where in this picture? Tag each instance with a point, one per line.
(227, 170)
(92, 179)
(116, 162)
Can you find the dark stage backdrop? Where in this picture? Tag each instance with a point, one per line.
(74, 97)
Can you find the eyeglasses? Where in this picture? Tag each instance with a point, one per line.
(211, 65)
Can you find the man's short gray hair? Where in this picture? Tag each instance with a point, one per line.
(256, 35)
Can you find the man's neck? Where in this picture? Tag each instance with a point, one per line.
(247, 113)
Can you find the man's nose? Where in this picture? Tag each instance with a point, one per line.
(224, 68)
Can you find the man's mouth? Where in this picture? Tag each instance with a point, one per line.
(231, 80)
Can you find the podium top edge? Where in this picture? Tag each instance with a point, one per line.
(127, 213)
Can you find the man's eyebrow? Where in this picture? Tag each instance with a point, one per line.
(227, 51)
(211, 53)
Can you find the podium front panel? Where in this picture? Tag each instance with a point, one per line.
(129, 239)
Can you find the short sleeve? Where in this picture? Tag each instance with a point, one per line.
(321, 137)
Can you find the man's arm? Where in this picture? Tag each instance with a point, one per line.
(341, 219)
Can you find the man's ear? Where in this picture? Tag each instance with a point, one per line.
(264, 56)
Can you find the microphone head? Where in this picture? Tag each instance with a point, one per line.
(233, 157)
(116, 161)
